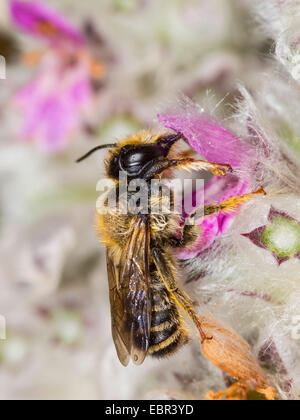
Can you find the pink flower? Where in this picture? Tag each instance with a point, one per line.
(53, 104)
(216, 144)
(39, 20)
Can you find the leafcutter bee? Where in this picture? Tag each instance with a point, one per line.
(146, 301)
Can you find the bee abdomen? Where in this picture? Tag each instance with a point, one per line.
(167, 332)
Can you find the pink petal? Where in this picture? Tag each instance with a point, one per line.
(211, 227)
(28, 15)
(216, 144)
(207, 137)
(52, 105)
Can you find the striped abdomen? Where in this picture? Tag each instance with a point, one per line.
(167, 331)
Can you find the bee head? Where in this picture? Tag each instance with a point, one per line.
(139, 160)
(136, 159)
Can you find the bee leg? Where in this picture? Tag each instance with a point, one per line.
(187, 164)
(190, 234)
(190, 164)
(186, 304)
(228, 206)
(190, 231)
(180, 297)
(232, 203)
(157, 168)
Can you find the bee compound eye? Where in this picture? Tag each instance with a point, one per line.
(135, 158)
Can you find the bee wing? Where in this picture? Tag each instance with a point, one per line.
(120, 337)
(130, 294)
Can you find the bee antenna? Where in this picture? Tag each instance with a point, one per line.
(103, 146)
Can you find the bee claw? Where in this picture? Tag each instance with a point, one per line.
(205, 338)
(221, 170)
(260, 191)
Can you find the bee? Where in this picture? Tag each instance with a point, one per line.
(147, 304)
